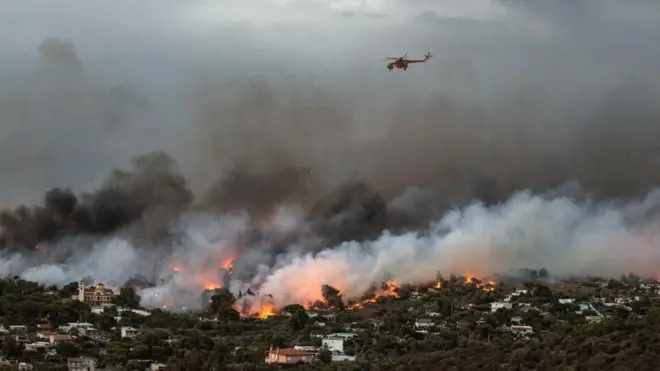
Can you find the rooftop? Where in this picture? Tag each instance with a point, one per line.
(291, 352)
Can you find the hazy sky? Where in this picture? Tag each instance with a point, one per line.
(522, 59)
(521, 95)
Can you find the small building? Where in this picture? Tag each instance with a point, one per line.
(81, 364)
(494, 306)
(306, 348)
(334, 344)
(129, 332)
(423, 322)
(39, 345)
(566, 301)
(593, 319)
(18, 329)
(20, 338)
(343, 335)
(341, 357)
(94, 296)
(522, 330)
(289, 356)
(54, 339)
(89, 331)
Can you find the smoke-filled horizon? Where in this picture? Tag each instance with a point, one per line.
(271, 134)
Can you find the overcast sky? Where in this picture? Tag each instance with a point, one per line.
(66, 128)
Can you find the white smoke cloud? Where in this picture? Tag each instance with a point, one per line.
(549, 231)
(527, 231)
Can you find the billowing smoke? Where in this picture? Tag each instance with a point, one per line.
(280, 166)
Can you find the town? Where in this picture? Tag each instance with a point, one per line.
(458, 322)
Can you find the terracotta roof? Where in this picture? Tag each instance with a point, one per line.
(291, 352)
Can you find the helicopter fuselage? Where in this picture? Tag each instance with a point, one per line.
(398, 64)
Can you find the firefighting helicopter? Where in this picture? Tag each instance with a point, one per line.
(403, 62)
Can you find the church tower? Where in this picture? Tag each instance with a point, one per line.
(81, 291)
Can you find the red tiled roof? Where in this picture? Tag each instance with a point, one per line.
(291, 352)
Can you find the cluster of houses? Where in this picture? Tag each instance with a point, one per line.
(45, 338)
(334, 343)
(99, 298)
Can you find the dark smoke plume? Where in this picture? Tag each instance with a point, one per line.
(151, 191)
(326, 166)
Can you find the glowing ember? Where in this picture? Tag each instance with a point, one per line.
(228, 263)
(387, 290)
(483, 284)
(211, 286)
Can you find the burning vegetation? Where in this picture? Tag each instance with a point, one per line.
(251, 304)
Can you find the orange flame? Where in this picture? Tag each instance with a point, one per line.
(266, 311)
(485, 285)
(228, 263)
(387, 290)
(211, 286)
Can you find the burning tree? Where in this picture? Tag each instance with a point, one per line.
(332, 297)
(222, 305)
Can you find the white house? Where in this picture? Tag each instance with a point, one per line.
(37, 345)
(81, 364)
(343, 335)
(342, 357)
(334, 344)
(139, 312)
(423, 322)
(494, 306)
(128, 332)
(519, 292)
(566, 301)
